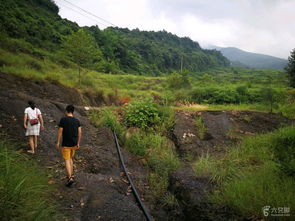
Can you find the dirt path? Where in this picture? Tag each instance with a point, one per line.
(99, 193)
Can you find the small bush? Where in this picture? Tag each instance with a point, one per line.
(167, 120)
(204, 166)
(157, 186)
(201, 128)
(176, 81)
(142, 114)
(288, 110)
(283, 147)
(107, 118)
(169, 200)
(140, 143)
(163, 160)
(291, 96)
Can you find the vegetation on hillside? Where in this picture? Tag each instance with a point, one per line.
(24, 192)
(143, 128)
(291, 68)
(122, 50)
(230, 88)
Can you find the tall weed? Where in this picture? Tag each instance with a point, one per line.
(255, 174)
(24, 192)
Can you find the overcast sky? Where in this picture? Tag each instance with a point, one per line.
(261, 26)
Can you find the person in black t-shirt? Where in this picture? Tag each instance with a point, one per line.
(70, 132)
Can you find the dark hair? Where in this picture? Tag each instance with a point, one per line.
(70, 108)
(32, 104)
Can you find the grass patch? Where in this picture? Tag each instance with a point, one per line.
(141, 143)
(201, 128)
(24, 192)
(204, 166)
(255, 174)
(107, 117)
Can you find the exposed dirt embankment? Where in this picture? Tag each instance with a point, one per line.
(99, 193)
(50, 90)
(219, 130)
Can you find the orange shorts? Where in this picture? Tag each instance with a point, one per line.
(68, 152)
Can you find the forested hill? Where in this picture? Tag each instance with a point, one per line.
(120, 50)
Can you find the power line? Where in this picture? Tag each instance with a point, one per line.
(90, 13)
(96, 21)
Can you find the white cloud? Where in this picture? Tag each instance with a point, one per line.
(262, 26)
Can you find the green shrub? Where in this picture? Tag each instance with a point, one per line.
(163, 160)
(201, 128)
(107, 118)
(167, 120)
(283, 147)
(157, 186)
(291, 96)
(271, 97)
(204, 166)
(169, 200)
(288, 110)
(24, 192)
(140, 143)
(176, 81)
(214, 95)
(142, 114)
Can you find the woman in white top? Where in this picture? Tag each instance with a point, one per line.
(32, 122)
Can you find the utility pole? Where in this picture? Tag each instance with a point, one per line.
(181, 63)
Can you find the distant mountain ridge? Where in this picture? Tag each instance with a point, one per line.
(242, 58)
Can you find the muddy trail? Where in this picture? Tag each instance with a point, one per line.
(101, 191)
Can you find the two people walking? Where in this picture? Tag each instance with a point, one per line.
(68, 136)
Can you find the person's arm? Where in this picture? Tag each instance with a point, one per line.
(79, 136)
(41, 121)
(25, 120)
(59, 135)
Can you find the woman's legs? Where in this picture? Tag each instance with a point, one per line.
(35, 141)
(32, 144)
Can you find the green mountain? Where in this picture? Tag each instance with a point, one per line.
(132, 51)
(242, 58)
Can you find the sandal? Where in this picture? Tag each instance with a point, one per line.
(70, 181)
(31, 151)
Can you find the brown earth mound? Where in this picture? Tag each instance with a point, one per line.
(222, 128)
(50, 90)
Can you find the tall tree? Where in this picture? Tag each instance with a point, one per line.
(290, 68)
(82, 49)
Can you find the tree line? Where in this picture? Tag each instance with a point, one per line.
(112, 50)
